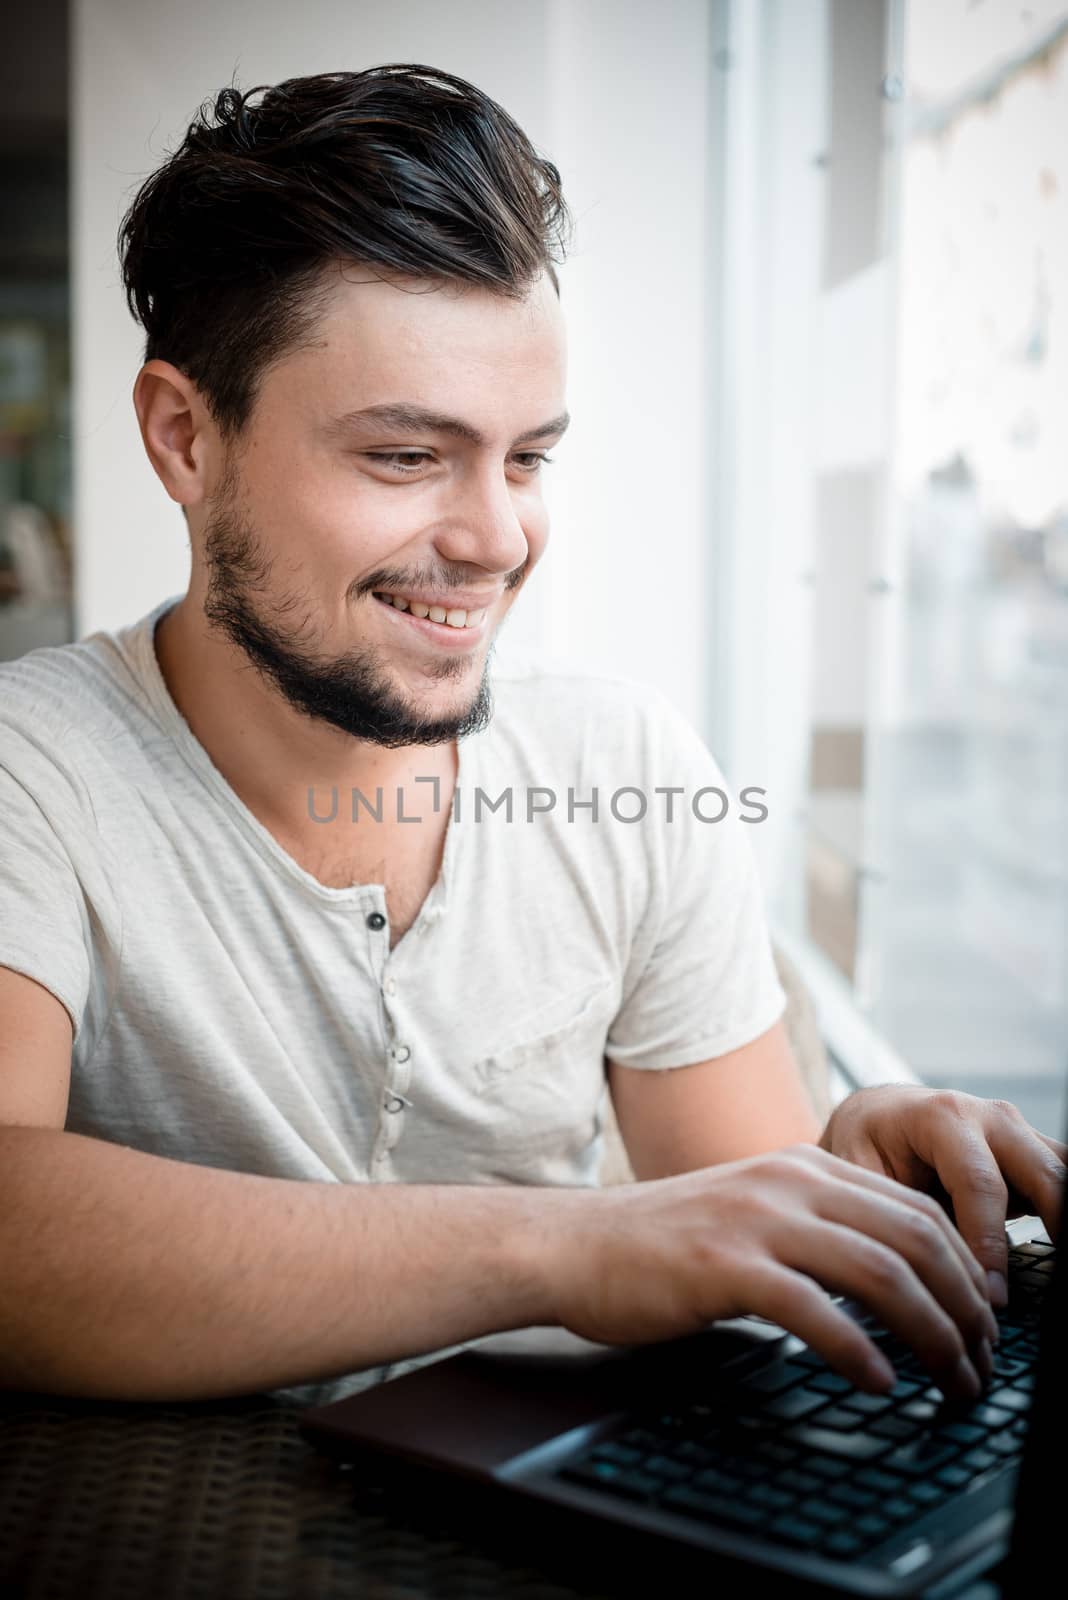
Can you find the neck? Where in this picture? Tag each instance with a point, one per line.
(271, 754)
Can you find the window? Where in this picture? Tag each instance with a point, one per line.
(902, 580)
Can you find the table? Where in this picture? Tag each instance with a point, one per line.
(104, 1500)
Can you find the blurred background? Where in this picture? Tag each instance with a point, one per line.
(819, 381)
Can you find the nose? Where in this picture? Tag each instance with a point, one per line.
(482, 526)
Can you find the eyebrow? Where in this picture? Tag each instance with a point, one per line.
(403, 417)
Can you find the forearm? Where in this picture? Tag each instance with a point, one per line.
(128, 1276)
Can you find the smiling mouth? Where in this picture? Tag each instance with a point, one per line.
(453, 620)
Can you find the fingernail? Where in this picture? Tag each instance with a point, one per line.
(999, 1289)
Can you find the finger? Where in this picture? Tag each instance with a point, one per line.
(851, 1263)
(1032, 1164)
(1059, 1150)
(891, 1188)
(796, 1303)
(927, 1241)
(968, 1171)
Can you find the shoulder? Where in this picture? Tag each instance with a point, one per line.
(62, 707)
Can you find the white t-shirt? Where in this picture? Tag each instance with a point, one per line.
(230, 1010)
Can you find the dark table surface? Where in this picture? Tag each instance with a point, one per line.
(212, 1498)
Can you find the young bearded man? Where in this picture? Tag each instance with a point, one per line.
(301, 1063)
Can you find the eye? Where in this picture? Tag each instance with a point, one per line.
(409, 461)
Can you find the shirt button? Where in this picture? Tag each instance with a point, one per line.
(390, 986)
(376, 921)
(401, 1052)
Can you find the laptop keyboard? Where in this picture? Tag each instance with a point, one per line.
(796, 1454)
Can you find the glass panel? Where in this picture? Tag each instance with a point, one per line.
(966, 932)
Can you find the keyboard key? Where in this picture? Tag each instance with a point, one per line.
(1009, 1399)
(685, 1498)
(796, 1531)
(715, 1480)
(869, 1405)
(664, 1467)
(800, 1482)
(926, 1494)
(924, 1455)
(990, 1418)
(774, 1450)
(829, 1470)
(793, 1404)
(871, 1525)
(954, 1477)
(842, 1544)
(830, 1383)
(896, 1508)
(893, 1428)
(714, 1508)
(809, 1358)
(847, 1446)
(777, 1378)
(766, 1495)
(831, 1516)
(960, 1432)
(1005, 1444)
(604, 1475)
(623, 1455)
(847, 1494)
(980, 1460)
(919, 1410)
(639, 1439)
(881, 1482)
(839, 1418)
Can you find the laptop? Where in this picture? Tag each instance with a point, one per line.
(736, 1454)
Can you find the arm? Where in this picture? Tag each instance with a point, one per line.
(740, 1104)
(128, 1276)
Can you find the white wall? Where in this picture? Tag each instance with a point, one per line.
(617, 94)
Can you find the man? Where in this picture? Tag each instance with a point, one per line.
(297, 1083)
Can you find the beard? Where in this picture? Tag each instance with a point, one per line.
(350, 692)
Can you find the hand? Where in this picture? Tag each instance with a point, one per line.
(635, 1263)
(980, 1156)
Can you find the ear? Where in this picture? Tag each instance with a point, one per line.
(177, 431)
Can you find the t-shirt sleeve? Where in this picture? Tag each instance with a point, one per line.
(704, 980)
(44, 920)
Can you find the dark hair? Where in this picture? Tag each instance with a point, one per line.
(401, 167)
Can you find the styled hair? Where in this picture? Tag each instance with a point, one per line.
(402, 168)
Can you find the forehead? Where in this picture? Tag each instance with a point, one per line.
(413, 326)
(461, 350)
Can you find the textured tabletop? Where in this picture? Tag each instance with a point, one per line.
(101, 1499)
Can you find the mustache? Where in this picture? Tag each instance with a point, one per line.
(424, 578)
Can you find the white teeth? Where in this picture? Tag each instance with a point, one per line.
(454, 618)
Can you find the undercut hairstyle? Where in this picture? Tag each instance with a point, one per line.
(398, 169)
